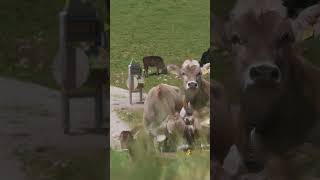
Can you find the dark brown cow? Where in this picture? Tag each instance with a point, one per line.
(279, 90)
(154, 61)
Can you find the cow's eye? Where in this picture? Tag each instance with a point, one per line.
(199, 73)
(183, 73)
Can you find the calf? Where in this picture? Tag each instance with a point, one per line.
(154, 61)
(279, 90)
(206, 57)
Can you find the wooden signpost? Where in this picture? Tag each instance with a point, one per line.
(135, 81)
(80, 22)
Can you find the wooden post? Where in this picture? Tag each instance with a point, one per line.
(131, 87)
(141, 94)
(65, 113)
(99, 106)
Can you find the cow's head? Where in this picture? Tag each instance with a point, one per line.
(191, 74)
(261, 39)
(262, 43)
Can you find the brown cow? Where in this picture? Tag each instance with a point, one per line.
(197, 89)
(279, 90)
(154, 61)
(162, 101)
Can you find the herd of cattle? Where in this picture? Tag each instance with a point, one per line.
(170, 111)
(278, 113)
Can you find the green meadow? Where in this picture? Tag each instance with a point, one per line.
(173, 29)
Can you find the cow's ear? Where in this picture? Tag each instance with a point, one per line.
(219, 32)
(173, 69)
(306, 20)
(205, 69)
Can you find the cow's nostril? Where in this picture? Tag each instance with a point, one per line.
(193, 84)
(254, 73)
(264, 72)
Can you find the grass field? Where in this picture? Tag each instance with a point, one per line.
(51, 164)
(175, 30)
(153, 165)
(35, 22)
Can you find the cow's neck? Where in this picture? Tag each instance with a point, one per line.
(293, 115)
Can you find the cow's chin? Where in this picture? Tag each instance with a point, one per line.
(261, 87)
(260, 101)
(192, 92)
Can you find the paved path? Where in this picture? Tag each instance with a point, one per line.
(30, 117)
(119, 99)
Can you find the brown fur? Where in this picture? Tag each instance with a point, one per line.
(126, 138)
(161, 101)
(223, 127)
(191, 71)
(283, 114)
(153, 61)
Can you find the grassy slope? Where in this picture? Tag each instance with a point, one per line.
(175, 30)
(30, 20)
(51, 164)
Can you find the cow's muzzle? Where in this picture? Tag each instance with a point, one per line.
(265, 72)
(192, 85)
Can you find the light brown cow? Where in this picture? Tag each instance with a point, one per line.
(196, 88)
(279, 90)
(199, 93)
(162, 100)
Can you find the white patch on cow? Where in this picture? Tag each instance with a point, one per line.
(190, 63)
(187, 85)
(161, 138)
(190, 128)
(258, 7)
(183, 113)
(247, 80)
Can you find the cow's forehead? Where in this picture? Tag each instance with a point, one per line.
(257, 7)
(191, 65)
(263, 26)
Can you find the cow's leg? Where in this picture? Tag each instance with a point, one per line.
(157, 70)
(146, 71)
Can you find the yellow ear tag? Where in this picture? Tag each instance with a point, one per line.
(188, 153)
(308, 33)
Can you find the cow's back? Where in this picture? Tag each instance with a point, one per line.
(162, 100)
(153, 61)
